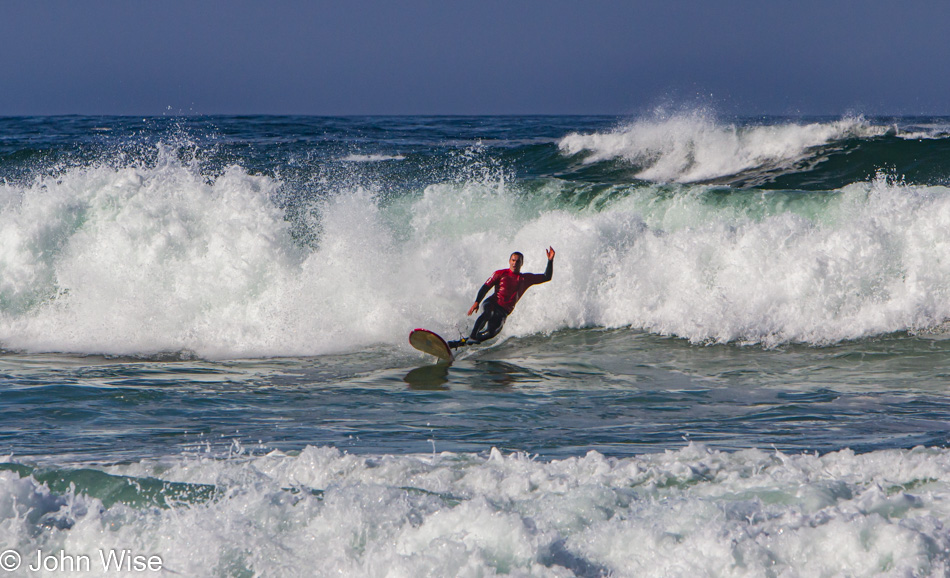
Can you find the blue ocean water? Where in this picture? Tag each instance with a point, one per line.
(739, 368)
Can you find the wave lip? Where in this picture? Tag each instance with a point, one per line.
(695, 147)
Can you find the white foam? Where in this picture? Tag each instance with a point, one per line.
(372, 158)
(925, 131)
(694, 146)
(684, 513)
(142, 260)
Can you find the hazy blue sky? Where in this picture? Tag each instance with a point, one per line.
(486, 57)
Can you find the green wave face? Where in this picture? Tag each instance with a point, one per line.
(112, 489)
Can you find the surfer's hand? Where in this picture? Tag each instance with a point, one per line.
(473, 308)
(550, 252)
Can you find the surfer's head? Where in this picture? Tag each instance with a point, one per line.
(515, 262)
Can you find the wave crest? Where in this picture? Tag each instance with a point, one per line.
(145, 260)
(695, 147)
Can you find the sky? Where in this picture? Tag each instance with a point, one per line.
(486, 57)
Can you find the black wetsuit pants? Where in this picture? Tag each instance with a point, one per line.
(488, 324)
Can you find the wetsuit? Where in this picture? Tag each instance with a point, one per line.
(509, 287)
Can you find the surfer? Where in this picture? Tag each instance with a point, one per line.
(509, 284)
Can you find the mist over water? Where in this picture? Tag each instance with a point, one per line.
(739, 368)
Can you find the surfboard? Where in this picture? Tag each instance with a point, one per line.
(429, 342)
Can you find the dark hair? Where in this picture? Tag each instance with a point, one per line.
(519, 254)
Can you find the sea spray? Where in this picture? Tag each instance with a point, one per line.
(695, 146)
(141, 259)
(164, 258)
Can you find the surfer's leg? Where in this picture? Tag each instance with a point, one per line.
(473, 337)
(480, 322)
(495, 324)
(494, 316)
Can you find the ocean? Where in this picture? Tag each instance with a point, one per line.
(740, 367)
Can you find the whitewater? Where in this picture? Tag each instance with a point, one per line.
(212, 265)
(737, 370)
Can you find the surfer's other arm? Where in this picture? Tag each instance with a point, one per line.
(482, 291)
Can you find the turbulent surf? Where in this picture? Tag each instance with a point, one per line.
(738, 369)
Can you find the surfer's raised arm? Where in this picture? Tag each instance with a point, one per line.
(549, 271)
